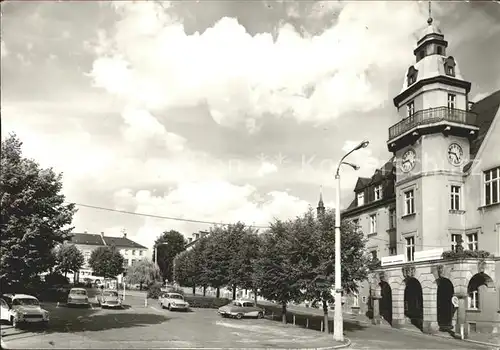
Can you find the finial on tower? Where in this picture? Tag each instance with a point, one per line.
(321, 194)
(429, 21)
(321, 206)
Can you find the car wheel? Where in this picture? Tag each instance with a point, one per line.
(239, 316)
(169, 307)
(260, 315)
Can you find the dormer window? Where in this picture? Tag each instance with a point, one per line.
(361, 199)
(378, 192)
(449, 66)
(411, 76)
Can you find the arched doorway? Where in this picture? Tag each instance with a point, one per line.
(445, 307)
(480, 291)
(386, 301)
(414, 302)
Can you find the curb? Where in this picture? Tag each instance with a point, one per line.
(347, 343)
(2, 344)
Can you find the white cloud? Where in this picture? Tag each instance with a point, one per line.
(154, 62)
(267, 168)
(212, 201)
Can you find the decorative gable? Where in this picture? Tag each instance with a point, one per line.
(412, 75)
(449, 66)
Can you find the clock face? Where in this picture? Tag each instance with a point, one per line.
(408, 160)
(455, 154)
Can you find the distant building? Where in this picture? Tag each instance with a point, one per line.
(87, 243)
(194, 238)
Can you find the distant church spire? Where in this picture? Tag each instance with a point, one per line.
(321, 206)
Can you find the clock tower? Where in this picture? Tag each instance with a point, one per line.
(431, 146)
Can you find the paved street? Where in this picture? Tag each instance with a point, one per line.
(150, 327)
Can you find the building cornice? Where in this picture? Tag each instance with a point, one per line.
(438, 79)
(369, 206)
(429, 173)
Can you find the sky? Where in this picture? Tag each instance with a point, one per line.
(218, 111)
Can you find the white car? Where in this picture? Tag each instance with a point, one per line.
(173, 301)
(22, 309)
(78, 296)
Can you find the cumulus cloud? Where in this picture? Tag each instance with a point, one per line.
(151, 60)
(212, 201)
(267, 168)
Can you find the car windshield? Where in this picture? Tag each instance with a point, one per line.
(236, 303)
(78, 292)
(175, 296)
(25, 302)
(111, 294)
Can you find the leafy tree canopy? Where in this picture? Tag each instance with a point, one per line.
(169, 244)
(69, 258)
(34, 218)
(143, 272)
(106, 262)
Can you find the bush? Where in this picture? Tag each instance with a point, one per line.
(154, 291)
(452, 255)
(206, 302)
(56, 279)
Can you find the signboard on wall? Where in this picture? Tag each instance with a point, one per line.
(431, 254)
(392, 260)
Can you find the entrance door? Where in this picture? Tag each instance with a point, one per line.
(386, 302)
(444, 305)
(414, 304)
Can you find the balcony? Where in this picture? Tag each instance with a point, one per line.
(434, 117)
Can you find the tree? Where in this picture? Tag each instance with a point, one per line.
(183, 270)
(168, 245)
(143, 272)
(106, 262)
(69, 258)
(216, 259)
(34, 216)
(276, 276)
(313, 247)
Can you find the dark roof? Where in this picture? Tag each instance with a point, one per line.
(86, 238)
(123, 242)
(486, 110)
(93, 239)
(362, 183)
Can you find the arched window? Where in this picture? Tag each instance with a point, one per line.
(412, 75)
(477, 285)
(449, 66)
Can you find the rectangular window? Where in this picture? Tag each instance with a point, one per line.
(452, 99)
(373, 254)
(409, 202)
(454, 240)
(455, 198)
(355, 222)
(355, 300)
(392, 251)
(140, 252)
(133, 252)
(492, 186)
(410, 248)
(473, 300)
(361, 199)
(472, 241)
(373, 223)
(410, 108)
(450, 70)
(392, 218)
(378, 192)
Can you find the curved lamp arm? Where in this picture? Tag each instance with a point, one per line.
(362, 144)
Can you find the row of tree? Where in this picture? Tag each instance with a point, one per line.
(293, 261)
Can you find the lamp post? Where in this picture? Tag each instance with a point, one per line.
(338, 326)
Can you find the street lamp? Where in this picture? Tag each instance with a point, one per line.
(338, 326)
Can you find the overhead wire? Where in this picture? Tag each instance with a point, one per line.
(205, 222)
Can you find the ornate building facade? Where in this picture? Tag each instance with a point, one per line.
(432, 213)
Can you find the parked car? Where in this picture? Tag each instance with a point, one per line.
(78, 297)
(109, 298)
(173, 301)
(21, 309)
(240, 309)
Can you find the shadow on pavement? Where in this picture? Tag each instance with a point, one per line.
(100, 322)
(307, 320)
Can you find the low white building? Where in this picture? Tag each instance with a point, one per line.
(87, 243)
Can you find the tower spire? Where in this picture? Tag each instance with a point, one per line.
(321, 206)
(429, 21)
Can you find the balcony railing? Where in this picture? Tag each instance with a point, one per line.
(430, 116)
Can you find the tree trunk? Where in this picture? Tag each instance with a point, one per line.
(325, 316)
(217, 295)
(204, 291)
(140, 286)
(194, 289)
(283, 313)
(255, 295)
(234, 291)
(65, 274)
